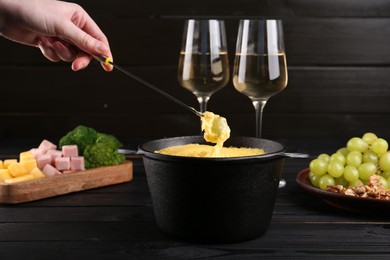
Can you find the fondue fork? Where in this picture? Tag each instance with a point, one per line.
(108, 60)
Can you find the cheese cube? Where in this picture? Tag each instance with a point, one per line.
(28, 155)
(16, 170)
(37, 173)
(29, 165)
(1, 164)
(7, 162)
(27, 177)
(5, 175)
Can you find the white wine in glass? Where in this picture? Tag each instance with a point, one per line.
(265, 75)
(260, 67)
(203, 62)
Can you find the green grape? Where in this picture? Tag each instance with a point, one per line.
(354, 158)
(325, 181)
(369, 138)
(384, 182)
(341, 181)
(351, 173)
(335, 169)
(385, 175)
(370, 156)
(380, 146)
(314, 179)
(384, 162)
(337, 157)
(357, 144)
(318, 167)
(354, 164)
(344, 151)
(356, 183)
(366, 170)
(324, 157)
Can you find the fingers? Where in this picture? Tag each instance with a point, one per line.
(56, 50)
(76, 39)
(89, 39)
(64, 51)
(47, 50)
(93, 46)
(81, 61)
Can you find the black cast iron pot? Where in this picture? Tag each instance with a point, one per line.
(213, 200)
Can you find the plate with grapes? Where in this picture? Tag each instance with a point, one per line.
(345, 202)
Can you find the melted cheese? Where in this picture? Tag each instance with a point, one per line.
(202, 150)
(216, 130)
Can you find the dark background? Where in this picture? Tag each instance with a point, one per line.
(338, 52)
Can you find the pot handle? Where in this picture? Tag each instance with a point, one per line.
(129, 152)
(296, 155)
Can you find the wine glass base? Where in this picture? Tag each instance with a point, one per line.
(282, 183)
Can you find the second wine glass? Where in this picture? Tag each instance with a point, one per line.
(203, 63)
(260, 68)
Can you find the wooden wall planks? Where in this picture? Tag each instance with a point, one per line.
(337, 53)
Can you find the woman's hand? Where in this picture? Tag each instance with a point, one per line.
(61, 30)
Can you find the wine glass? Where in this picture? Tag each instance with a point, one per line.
(203, 63)
(260, 68)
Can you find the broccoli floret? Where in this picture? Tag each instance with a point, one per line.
(100, 154)
(82, 136)
(98, 149)
(109, 140)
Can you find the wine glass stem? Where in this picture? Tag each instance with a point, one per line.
(203, 103)
(202, 107)
(259, 107)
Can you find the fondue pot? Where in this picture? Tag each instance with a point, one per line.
(211, 199)
(214, 200)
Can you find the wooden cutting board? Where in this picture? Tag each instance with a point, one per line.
(65, 183)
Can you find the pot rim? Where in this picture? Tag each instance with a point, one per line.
(199, 139)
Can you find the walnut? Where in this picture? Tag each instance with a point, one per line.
(335, 189)
(360, 189)
(374, 189)
(350, 192)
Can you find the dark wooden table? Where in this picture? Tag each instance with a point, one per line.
(117, 222)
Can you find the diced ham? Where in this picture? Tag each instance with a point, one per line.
(54, 154)
(37, 152)
(70, 151)
(47, 145)
(43, 160)
(62, 163)
(50, 171)
(77, 163)
(68, 171)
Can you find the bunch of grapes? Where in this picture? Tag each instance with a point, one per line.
(354, 164)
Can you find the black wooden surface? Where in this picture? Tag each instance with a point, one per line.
(117, 222)
(337, 51)
(338, 56)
